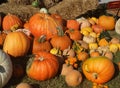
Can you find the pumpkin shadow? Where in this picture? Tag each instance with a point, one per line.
(16, 80)
(93, 13)
(61, 61)
(35, 86)
(1, 19)
(116, 71)
(13, 81)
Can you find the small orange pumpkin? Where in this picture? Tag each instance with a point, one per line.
(43, 66)
(74, 34)
(107, 22)
(94, 54)
(103, 42)
(82, 56)
(98, 69)
(40, 44)
(73, 24)
(11, 22)
(97, 28)
(61, 41)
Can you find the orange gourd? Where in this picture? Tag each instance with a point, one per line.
(82, 56)
(11, 22)
(43, 24)
(98, 69)
(43, 66)
(103, 42)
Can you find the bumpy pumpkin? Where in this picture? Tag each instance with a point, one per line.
(43, 24)
(5, 68)
(11, 22)
(98, 69)
(43, 66)
(16, 44)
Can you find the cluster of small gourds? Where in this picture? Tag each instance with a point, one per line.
(49, 37)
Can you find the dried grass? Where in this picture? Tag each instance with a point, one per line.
(23, 11)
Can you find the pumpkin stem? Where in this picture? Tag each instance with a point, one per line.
(95, 75)
(42, 38)
(86, 68)
(41, 58)
(60, 31)
(71, 30)
(77, 47)
(14, 27)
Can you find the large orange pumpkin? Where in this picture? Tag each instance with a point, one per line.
(16, 44)
(98, 69)
(43, 66)
(11, 22)
(43, 24)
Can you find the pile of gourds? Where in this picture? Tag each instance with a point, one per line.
(50, 39)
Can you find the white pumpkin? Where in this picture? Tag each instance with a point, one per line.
(5, 68)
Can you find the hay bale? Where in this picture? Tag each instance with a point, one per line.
(22, 2)
(50, 3)
(22, 11)
(70, 9)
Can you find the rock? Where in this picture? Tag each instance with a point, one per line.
(70, 9)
